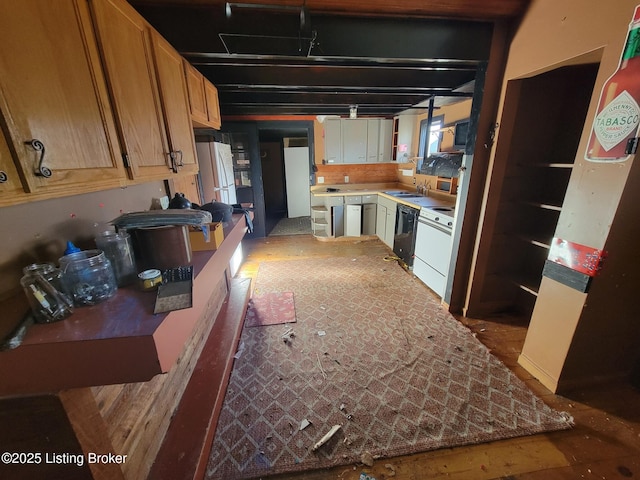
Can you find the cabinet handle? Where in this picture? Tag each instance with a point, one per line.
(3, 176)
(176, 160)
(41, 170)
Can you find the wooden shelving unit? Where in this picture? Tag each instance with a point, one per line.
(541, 129)
(394, 140)
(319, 222)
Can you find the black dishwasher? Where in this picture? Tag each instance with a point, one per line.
(404, 240)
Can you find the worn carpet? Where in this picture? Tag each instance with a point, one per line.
(374, 352)
(272, 308)
(292, 226)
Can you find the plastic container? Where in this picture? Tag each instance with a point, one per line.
(88, 277)
(42, 284)
(119, 250)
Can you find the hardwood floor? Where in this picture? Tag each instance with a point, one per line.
(604, 444)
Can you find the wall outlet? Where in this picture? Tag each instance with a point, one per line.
(320, 179)
(346, 179)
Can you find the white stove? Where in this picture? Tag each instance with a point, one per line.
(436, 216)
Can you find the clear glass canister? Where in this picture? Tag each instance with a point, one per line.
(42, 284)
(119, 250)
(49, 271)
(88, 277)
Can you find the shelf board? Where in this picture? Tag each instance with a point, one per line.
(533, 241)
(527, 289)
(547, 165)
(319, 221)
(319, 208)
(120, 340)
(546, 206)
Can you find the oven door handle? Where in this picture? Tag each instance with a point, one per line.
(434, 225)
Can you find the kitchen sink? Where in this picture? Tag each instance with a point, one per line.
(403, 194)
(441, 209)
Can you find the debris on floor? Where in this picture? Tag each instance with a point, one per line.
(367, 459)
(326, 438)
(288, 335)
(240, 350)
(364, 476)
(391, 468)
(304, 424)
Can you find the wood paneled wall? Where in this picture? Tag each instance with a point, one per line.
(137, 415)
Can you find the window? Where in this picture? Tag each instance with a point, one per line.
(434, 135)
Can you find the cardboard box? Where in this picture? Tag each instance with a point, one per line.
(196, 237)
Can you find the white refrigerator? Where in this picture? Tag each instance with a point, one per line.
(216, 172)
(296, 170)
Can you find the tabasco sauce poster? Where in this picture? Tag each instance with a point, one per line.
(617, 123)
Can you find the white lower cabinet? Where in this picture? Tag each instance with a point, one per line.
(369, 219)
(352, 220)
(381, 221)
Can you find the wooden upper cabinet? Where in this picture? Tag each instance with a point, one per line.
(52, 90)
(197, 98)
(175, 104)
(213, 105)
(203, 99)
(10, 184)
(125, 42)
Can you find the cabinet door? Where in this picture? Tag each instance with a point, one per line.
(197, 98)
(373, 139)
(9, 181)
(381, 222)
(354, 140)
(213, 104)
(126, 47)
(175, 105)
(385, 137)
(52, 89)
(332, 141)
(352, 220)
(390, 227)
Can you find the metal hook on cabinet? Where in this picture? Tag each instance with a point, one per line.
(41, 170)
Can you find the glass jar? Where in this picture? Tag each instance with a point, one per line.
(119, 250)
(42, 284)
(49, 271)
(88, 277)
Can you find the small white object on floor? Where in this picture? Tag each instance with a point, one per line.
(304, 424)
(239, 352)
(321, 333)
(326, 438)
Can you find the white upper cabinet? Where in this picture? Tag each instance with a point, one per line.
(357, 140)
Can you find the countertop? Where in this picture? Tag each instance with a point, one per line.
(433, 199)
(120, 340)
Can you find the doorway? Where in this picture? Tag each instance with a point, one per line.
(541, 125)
(274, 137)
